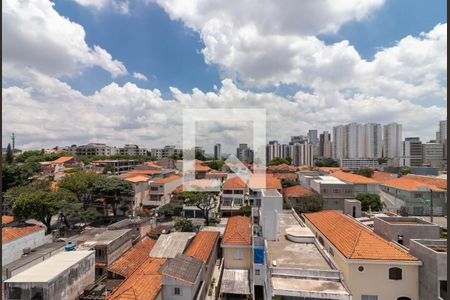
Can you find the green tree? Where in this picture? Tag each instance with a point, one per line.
(405, 170)
(9, 155)
(167, 210)
(18, 174)
(245, 210)
(205, 201)
(382, 160)
(183, 224)
(215, 164)
(199, 155)
(81, 184)
(39, 205)
(89, 214)
(370, 200)
(278, 161)
(326, 162)
(113, 189)
(366, 172)
(309, 204)
(13, 193)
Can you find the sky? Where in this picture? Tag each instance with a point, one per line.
(122, 71)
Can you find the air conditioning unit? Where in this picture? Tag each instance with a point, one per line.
(26, 251)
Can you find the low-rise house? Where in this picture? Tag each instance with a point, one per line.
(361, 184)
(115, 166)
(169, 245)
(238, 256)
(259, 182)
(205, 248)
(199, 171)
(403, 229)
(62, 276)
(161, 189)
(365, 258)
(415, 197)
(433, 272)
(144, 283)
(139, 227)
(131, 260)
(20, 240)
(293, 194)
(222, 176)
(286, 177)
(141, 189)
(233, 196)
(333, 191)
(32, 258)
(109, 246)
(182, 278)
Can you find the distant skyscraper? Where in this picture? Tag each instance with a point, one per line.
(298, 139)
(354, 141)
(338, 142)
(392, 140)
(373, 142)
(441, 135)
(302, 154)
(312, 137)
(412, 150)
(217, 152)
(273, 150)
(325, 145)
(244, 153)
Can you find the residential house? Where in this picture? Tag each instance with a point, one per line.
(62, 276)
(161, 189)
(20, 240)
(333, 191)
(238, 256)
(293, 194)
(364, 258)
(234, 191)
(259, 182)
(182, 278)
(115, 166)
(141, 189)
(433, 272)
(361, 184)
(403, 229)
(414, 196)
(222, 176)
(169, 245)
(139, 227)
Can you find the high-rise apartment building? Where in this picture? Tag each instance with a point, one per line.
(339, 142)
(312, 137)
(325, 146)
(433, 154)
(373, 144)
(302, 154)
(217, 152)
(244, 153)
(441, 135)
(354, 141)
(392, 140)
(411, 152)
(298, 139)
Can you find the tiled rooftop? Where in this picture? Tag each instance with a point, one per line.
(12, 233)
(297, 191)
(203, 245)
(133, 259)
(144, 284)
(438, 182)
(62, 160)
(353, 178)
(257, 182)
(167, 179)
(354, 240)
(7, 219)
(411, 184)
(182, 267)
(286, 176)
(234, 183)
(238, 231)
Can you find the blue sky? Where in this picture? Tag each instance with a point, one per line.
(69, 67)
(168, 53)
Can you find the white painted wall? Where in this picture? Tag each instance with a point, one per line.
(13, 250)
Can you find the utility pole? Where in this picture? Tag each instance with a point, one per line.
(13, 137)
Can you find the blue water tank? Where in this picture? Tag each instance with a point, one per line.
(70, 246)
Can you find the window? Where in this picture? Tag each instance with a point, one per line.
(37, 293)
(238, 202)
(257, 272)
(153, 188)
(336, 191)
(417, 196)
(227, 201)
(347, 191)
(99, 253)
(400, 239)
(369, 297)
(15, 293)
(237, 255)
(331, 251)
(324, 191)
(177, 291)
(227, 192)
(238, 192)
(443, 289)
(321, 240)
(395, 274)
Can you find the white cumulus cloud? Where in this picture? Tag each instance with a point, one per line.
(140, 76)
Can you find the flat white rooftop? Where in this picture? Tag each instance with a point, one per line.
(51, 268)
(169, 245)
(329, 180)
(235, 282)
(300, 287)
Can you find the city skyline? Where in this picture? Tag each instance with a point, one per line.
(80, 83)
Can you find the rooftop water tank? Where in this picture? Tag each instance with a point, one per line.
(70, 246)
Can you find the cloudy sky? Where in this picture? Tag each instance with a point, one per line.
(121, 71)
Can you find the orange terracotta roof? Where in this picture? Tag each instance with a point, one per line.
(199, 168)
(217, 174)
(133, 259)
(62, 160)
(438, 182)
(286, 176)
(198, 161)
(354, 240)
(139, 178)
(257, 182)
(152, 164)
(7, 219)
(410, 184)
(352, 178)
(283, 167)
(332, 169)
(238, 231)
(297, 191)
(12, 233)
(167, 179)
(383, 176)
(234, 183)
(203, 245)
(144, 172)
(144, 284)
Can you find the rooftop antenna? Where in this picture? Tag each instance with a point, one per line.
(13, 137)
